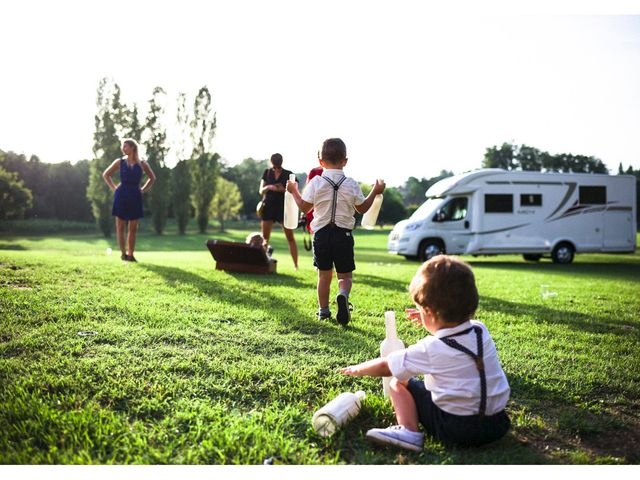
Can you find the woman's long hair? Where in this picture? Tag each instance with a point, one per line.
(134, 145)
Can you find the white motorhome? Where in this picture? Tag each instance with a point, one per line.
(495, 211)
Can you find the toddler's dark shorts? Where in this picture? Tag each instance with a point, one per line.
(333, 246)
(462, 430)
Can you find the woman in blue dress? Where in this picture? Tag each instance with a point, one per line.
(127, 201)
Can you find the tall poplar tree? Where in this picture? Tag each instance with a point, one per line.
(181, 194)
(180, 176)
(203, 163)
(157, 149)
(226, 202)
(106, 148)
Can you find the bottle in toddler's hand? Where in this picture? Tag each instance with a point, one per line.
(391, 343)
(370, 217)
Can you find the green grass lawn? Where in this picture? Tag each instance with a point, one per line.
(190, 365)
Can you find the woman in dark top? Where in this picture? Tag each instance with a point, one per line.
(127, 201)
(272, 187)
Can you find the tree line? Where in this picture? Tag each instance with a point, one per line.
(201, 185)
(524, 157)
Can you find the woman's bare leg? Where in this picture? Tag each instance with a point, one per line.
(293, 246)
(120, 224)
(131, 236)
(266, 226)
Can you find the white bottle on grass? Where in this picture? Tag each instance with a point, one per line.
(290, 208)
(391, 343)
(337, 412)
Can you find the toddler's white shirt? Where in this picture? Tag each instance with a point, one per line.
(319, 192)
(451, 375)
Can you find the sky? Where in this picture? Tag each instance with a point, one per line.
(411, 88)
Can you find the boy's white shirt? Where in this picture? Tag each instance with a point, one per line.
(451, 375)
(319, 192)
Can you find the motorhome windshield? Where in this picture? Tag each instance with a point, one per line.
(426, 209)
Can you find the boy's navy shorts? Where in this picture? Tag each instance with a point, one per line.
(333, 246)
(462, 430)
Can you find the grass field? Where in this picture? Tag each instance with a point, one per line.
(190, 365)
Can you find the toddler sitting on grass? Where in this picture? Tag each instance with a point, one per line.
(462, 398)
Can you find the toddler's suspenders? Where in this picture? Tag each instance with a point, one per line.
(478, 359)
(335, 186)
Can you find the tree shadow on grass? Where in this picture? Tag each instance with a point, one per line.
(581, 322)
(256, 292)
(569, 427)
(380, 282)
(11, 246)
(626, 271)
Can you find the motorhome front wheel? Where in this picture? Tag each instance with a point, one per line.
(429, 249)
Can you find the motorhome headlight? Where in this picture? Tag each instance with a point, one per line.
(412, 226)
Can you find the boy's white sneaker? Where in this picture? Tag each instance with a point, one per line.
(399, 436)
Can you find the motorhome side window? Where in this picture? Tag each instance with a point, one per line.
(593, 195)
(530, 200)
(498, 203)
(454, 209)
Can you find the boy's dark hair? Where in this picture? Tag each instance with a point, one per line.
(333, 151)
(446, 285)
(276, 160)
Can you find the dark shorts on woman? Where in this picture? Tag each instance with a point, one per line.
(333, 245)
(461, 430)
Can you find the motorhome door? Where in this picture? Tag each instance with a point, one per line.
(452, 222)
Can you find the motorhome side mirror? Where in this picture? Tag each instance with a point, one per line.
(439, 216)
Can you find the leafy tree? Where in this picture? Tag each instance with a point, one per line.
(180, 175)
(58, 190)
(528, 158)
(181, 194)
(502, 157)
(182, 144)
(226, 202)
(246, 175)
(413, 191)
(203, 164)
(67, 191)
(523, 157)
(636, 173)
(106, 148)
(393, 209)
(15, 198)
(132, 128)
(35, 175)
(204, 171)
(157, 149)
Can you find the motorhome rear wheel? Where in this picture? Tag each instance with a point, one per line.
(563, 253)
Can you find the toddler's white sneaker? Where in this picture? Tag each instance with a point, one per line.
(399, 436)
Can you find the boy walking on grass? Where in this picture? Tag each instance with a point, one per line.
(462, 398)
(335, 198)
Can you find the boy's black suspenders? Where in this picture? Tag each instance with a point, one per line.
(335, 186)
(478, 359)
